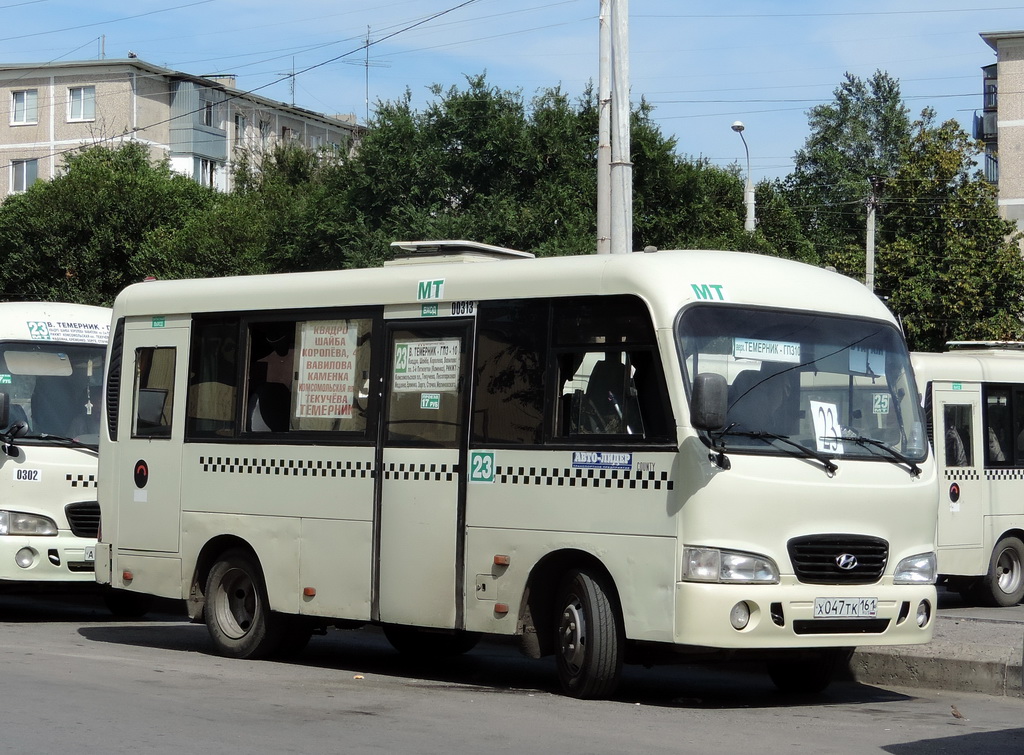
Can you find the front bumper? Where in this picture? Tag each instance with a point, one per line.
(782, 616)
(52, 559)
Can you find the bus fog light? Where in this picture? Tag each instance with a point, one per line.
(740, 615)
(924, 613)
(25, 557)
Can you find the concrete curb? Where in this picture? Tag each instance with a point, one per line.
(966, 655)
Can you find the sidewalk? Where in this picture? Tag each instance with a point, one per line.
(973, 650)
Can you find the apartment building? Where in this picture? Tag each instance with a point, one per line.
(202, 124)
(1000, 126)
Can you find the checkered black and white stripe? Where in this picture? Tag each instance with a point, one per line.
(583, 478)
(286, 467)
(81, 480)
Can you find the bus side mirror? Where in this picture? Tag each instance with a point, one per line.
(5, 410)
(709, 401)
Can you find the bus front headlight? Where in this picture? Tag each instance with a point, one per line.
(20, 523)
(916, 570)
(716, 565)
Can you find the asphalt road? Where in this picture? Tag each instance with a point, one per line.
(75, 680)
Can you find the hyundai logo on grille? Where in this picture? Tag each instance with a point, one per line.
(846, 561)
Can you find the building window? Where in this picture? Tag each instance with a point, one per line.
(264, 129)
(23, 174)
(240, 124)
(316, 141)
(286, 134)
(23, 106)
(207, 113)
(82, 103)
(206, 172)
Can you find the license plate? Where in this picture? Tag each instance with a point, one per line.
(90, 553)
(845, 608)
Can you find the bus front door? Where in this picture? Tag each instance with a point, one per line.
(959, 452)
(152, 414)
(421, 510)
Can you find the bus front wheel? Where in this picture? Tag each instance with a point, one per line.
(589, 638)
(1004, 583)
(238, 615)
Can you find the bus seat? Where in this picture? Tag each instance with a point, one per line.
(605, 390)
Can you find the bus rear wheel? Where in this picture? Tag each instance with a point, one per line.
(1004, 583)
(237, 612)
(589, 638)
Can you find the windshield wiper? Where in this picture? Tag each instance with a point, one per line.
(893, 455)
(806, 451)
(73, 442)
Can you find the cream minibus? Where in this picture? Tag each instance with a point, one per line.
(974, 404)
(578, 451)
(51, 386)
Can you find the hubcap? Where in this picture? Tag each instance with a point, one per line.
(572, 634)
(236, 603)
(1008, 569)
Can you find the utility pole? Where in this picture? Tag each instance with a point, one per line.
(869, 244)
(615, 172)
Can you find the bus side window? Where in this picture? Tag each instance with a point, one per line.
(269, 384)
(1018, 426)
(213, 377)
(997, 425)
(510, 357)
(154, 392)
(958, 433)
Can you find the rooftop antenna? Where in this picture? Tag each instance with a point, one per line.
(367, 65)
(291, 83)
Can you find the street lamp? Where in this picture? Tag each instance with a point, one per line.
(748, 188)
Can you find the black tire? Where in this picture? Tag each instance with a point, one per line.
(424, 644)
(237, 611)
(589, 638)
(125, 604)
(807, 674)
(1004, 584)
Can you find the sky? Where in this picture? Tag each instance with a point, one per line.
(701, 64)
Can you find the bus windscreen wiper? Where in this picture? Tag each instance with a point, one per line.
(73, 442)
(891, 453)
(806, 451)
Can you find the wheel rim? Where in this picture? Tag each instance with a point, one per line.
(236, 603)
(1008, 569)
(572, 635)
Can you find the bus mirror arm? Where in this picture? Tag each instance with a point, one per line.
(7, 439)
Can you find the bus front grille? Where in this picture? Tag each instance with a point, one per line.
(84, 518)
(838, 559)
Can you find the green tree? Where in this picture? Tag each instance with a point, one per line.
(861, 135)
(951, 267)
(78, 237)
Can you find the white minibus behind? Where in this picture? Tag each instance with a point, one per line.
(51, 385)
(617, 458)
(974, 403)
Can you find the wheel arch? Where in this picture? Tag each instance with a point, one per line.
(207, 557)
(537, 608)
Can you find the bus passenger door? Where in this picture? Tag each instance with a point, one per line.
(959, 451)
(151, 419)
(421, 511)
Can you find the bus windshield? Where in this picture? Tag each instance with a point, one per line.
(836, 386)
(54, 388)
